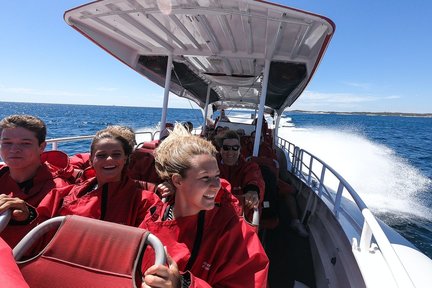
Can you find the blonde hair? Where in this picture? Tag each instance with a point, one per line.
(174, 153)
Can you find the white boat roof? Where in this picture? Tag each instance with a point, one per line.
(221, 43)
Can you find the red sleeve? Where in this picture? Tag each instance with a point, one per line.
(50, 205)
(252, 176)
(10, 275)
(148, 200)
(225, 197)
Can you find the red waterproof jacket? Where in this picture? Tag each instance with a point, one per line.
(123, 202)
(80, 161)
(10, 275)
(241, 175)
(46, 179)
(230, 253)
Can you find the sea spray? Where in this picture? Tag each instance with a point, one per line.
(384, 180)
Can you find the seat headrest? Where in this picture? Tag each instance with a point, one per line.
(151, 145)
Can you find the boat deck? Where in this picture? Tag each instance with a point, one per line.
(289, 254)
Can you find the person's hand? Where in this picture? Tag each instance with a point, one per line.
(165, 189)
(251, 199)
(162, 276)
(20, 210)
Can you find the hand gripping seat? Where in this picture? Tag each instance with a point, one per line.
(86, 252)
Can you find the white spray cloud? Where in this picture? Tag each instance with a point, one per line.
(384, 180)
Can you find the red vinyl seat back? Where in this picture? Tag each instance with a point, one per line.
(269, 217)
(266, 161)
(150, 145)
(142, 166)
(86, 252)
(10, 275)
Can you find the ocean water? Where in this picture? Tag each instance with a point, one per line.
(387, 159)
(77, 120)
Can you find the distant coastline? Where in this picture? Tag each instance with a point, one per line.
(399, 114)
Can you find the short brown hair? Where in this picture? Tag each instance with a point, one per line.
(29, 122)
(230, 134)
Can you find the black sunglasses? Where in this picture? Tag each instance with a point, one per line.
(229, 147)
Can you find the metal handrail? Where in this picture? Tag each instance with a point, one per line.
(371, 228)
(55, 141)
(54, 223)
(5, 216)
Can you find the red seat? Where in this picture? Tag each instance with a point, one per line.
(142, 166)
(149, 146)
(86, 252)
(270, 171)
(10, 275)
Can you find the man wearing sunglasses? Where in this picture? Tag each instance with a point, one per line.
(245, 177)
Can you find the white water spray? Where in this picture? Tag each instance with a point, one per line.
(385, 181)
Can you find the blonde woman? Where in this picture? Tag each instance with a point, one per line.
(210, 243)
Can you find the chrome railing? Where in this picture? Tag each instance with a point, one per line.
(56, 141)
(324, 181)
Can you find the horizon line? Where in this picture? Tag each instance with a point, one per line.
(294, 110)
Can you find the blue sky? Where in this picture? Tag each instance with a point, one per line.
(379, 59)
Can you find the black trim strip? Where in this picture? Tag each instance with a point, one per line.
(198, 239)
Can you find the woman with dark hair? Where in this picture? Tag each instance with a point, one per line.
(107, 193)
(209, 242)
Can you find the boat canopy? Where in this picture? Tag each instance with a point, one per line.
(217, 50)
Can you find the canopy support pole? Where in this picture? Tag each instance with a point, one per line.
(166, 93)
(206, 110)
(261, 108)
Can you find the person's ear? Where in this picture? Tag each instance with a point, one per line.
(177, 180)
(42, 146)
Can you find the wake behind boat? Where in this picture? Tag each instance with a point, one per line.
(260, 56)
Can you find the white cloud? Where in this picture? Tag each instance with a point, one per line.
(358, 85)
(346, 102)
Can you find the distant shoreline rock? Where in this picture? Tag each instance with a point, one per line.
(400, 114)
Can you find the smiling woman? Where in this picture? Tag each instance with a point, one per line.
(106, 192)
(208, 241)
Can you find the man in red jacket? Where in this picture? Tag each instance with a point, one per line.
(245, 177)
(25, 180)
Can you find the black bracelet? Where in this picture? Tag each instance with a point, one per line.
(185, 280)
(30, 218)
